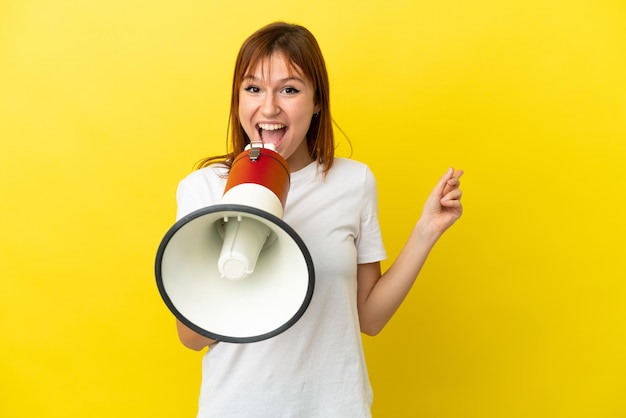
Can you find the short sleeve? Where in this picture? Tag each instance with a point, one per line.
(369, 242)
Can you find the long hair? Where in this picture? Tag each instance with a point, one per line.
(300, 48)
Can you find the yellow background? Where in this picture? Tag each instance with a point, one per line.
(520, 311)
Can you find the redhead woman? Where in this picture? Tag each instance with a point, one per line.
(316, 368)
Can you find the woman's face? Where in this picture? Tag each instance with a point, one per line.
(276, 105)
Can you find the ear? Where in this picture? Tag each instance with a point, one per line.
(316, 109)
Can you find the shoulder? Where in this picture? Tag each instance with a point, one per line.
(345, 169)
(200, 188)
(203, 177)
(348, 164)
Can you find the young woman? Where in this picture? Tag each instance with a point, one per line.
(316, 368)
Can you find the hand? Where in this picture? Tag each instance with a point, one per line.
(443, 206)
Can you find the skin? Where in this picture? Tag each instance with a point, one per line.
(276, 93)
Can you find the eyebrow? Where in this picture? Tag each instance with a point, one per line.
(283, 80)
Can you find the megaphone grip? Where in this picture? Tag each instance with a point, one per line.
(243, 241)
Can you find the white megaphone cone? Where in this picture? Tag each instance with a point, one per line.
(235, 271)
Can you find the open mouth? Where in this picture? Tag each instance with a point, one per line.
(271, 132)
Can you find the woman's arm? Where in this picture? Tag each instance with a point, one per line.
(192, 339)
(379, 296)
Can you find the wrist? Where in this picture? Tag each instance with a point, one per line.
(425, 234)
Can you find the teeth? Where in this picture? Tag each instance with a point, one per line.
(271, 126)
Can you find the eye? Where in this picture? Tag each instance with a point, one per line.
(291, 90)
(252, 89)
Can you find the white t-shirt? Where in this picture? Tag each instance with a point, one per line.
(315, 369)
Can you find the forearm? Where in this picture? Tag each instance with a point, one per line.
(192, 339)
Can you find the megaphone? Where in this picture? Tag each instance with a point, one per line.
(235, 271)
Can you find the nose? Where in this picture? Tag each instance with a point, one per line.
(270, 106)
